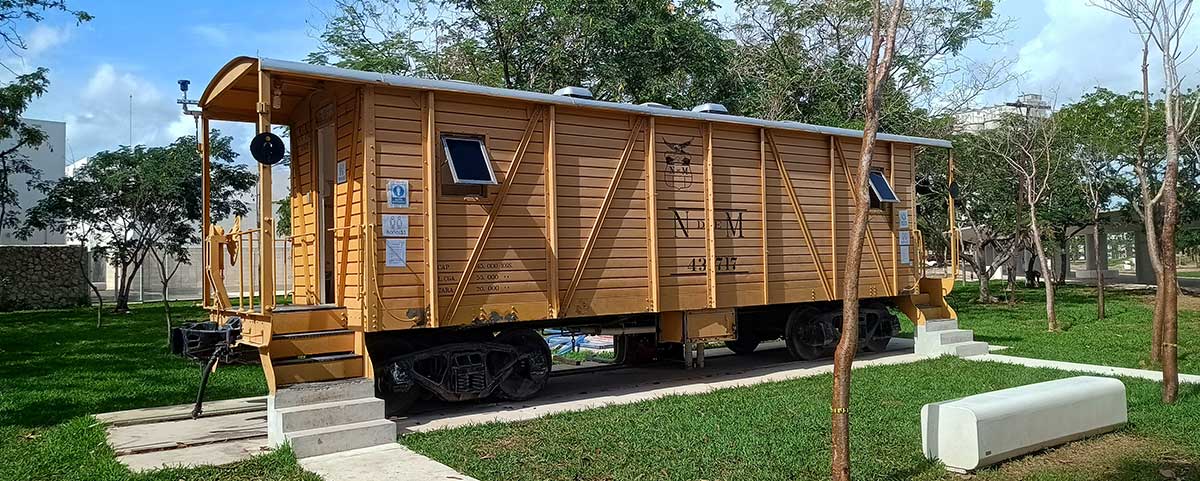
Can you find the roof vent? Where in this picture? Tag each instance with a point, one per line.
(710, 108)
(655, 105)
(574, 92)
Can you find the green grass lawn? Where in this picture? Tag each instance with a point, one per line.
(57, 368)
(1189, 274)
(56, 365)
(779, 431)
(1122, 339)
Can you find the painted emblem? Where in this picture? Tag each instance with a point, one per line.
(679, 164)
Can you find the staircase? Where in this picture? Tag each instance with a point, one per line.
(318, 418)
(321, 401)
(937, 331)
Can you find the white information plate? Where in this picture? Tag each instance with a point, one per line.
(903, 218)
(904, 237)
(395, 225)
(397, 252)
(341, 172)
(398, 194)
(904, 257)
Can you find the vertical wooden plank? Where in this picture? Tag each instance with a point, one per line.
(346, 229)
(833, 234)
(710, 248)
(205, 207)
(892, 219)
(652, 218)
(266, 222)
(762, 202)
(551, 192)
(368, 296)
(430, 180)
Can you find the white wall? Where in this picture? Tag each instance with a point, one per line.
(51, 159)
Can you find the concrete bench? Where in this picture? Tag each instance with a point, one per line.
(976, 431)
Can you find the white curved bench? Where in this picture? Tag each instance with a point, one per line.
(975, 431)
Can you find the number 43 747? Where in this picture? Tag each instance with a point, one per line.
(724, 264)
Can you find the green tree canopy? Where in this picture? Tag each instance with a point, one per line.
(124, 202)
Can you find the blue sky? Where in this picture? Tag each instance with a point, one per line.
(140, 48)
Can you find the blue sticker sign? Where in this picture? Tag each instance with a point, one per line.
(398, 194)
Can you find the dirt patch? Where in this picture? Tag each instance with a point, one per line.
(1113, 456)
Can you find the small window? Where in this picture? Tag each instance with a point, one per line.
(469, 160)
(881, 190)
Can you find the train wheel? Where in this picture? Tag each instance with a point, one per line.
(802, 335)
(747, 341)
(396, 387)
(531, 373)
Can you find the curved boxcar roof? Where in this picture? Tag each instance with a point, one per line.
(240, 66)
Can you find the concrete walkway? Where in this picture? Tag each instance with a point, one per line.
(391, 462)
(1088, 368)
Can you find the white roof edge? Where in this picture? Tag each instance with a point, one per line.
(336, 73)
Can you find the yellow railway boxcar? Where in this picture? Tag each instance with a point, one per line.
(437, 224)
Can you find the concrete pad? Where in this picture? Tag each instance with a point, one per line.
(624, 386)
(389, 462)
(183, 411)
(206, 454)
(140, 438)
(1088, 368)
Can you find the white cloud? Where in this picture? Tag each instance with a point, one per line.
(44, 38)
(212, 34)
(101, 115)
(1082, 46)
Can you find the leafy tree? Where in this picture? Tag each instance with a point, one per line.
(805, 60)
(629, 51)
(984, 203)
(14, 99)
(1031, 148)
(135, 200)
(283, 217)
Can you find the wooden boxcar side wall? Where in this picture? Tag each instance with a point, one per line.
(511, 276)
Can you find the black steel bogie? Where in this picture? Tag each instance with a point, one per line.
(458, 371)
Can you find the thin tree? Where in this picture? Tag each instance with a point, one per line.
(1093, 179)
(883, 45)
(1164, 22)
(1028, 145)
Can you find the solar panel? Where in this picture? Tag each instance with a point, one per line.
(469, 161)
(881, 189)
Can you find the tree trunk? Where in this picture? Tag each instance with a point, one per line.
(1101, 266)
(1051, 319)
(1168, 289)
(878, 71)
(1064, 258)
(985, 290)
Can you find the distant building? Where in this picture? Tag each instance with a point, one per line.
(1030, 105)
(50, 158)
